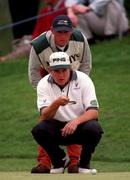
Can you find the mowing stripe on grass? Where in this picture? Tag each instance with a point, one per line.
(29, 176)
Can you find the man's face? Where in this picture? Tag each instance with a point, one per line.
(61, 76)
(61, 37)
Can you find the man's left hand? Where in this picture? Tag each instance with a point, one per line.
(70, 128)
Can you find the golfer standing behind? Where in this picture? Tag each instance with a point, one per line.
(61, 37)
(69, 113)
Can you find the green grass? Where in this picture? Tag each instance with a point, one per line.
(112, 77)
(18, 110)
(28, 176)
(26, 164)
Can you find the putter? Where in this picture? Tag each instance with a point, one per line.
(70, 102)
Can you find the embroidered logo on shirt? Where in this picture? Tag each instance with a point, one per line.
(76, 84)
(93, 103)
(44, 100)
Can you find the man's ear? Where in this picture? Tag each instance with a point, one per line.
(52, 30)
(49, 69)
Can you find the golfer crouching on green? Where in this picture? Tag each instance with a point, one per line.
(69, 113)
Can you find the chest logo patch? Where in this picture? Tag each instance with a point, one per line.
(93, 103)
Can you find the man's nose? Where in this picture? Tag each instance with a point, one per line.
(61, 74)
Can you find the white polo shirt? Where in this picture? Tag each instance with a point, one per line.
(81, 89)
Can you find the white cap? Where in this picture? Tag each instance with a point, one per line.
(59, 60)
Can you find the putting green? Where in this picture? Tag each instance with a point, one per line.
(29, 176)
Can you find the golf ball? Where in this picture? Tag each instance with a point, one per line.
(93, 171)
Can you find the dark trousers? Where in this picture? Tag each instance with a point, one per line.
(21, 10)
(48, 135)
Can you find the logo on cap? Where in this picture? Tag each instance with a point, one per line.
(59, 60)
(63, 22)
